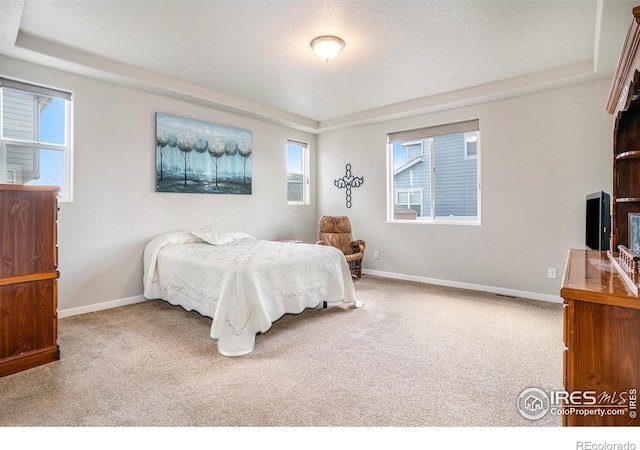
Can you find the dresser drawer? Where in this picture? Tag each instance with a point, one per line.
(28, 317)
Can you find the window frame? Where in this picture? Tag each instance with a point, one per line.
(66, 194)
(464, 127)
(305, 172)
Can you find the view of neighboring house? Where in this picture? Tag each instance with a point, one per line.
(436, 177)
(22, 163)
(35, 134)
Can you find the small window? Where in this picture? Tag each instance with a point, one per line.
(471, 145)
(297, 173)
(434, 174)
(410, 199)
(35, 136)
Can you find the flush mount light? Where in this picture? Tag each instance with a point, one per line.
(327, 47)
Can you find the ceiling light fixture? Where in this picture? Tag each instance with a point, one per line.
(327, 47)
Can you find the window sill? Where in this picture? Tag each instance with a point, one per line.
(471, 222)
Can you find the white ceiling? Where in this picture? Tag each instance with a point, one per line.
(253, 57)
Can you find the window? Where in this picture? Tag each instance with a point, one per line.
(434, 174)
(297, 173)
(471, 144)
(35, 136)
(410, 199)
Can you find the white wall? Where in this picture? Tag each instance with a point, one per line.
(116, 211)
(541, 155)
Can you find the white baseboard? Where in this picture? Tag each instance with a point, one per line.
(473, 287)
(100, 306)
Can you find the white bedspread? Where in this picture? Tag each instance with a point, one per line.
(245, 285)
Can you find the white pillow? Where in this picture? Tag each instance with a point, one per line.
(212, 236)
(237, 235)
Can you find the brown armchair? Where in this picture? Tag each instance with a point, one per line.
(336, 231)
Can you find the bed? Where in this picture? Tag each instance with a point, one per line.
(244, 284)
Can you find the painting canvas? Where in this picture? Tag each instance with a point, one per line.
(200, 157)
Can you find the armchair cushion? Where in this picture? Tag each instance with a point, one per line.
(336, 232)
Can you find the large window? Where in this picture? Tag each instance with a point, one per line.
(434, 174)
(297, 173)
(35, 136)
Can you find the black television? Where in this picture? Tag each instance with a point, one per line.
(598, 221)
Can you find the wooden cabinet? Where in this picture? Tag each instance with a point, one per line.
(28, 277)
(602, 339)
(624, 104)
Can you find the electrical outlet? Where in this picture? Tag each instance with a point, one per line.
(376, 255)
(551, 272)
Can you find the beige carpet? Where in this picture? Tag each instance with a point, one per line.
(414, 355)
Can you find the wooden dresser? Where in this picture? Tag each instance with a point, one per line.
(28, 277)
(602, 339)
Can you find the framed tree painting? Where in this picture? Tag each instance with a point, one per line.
(201, 157)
